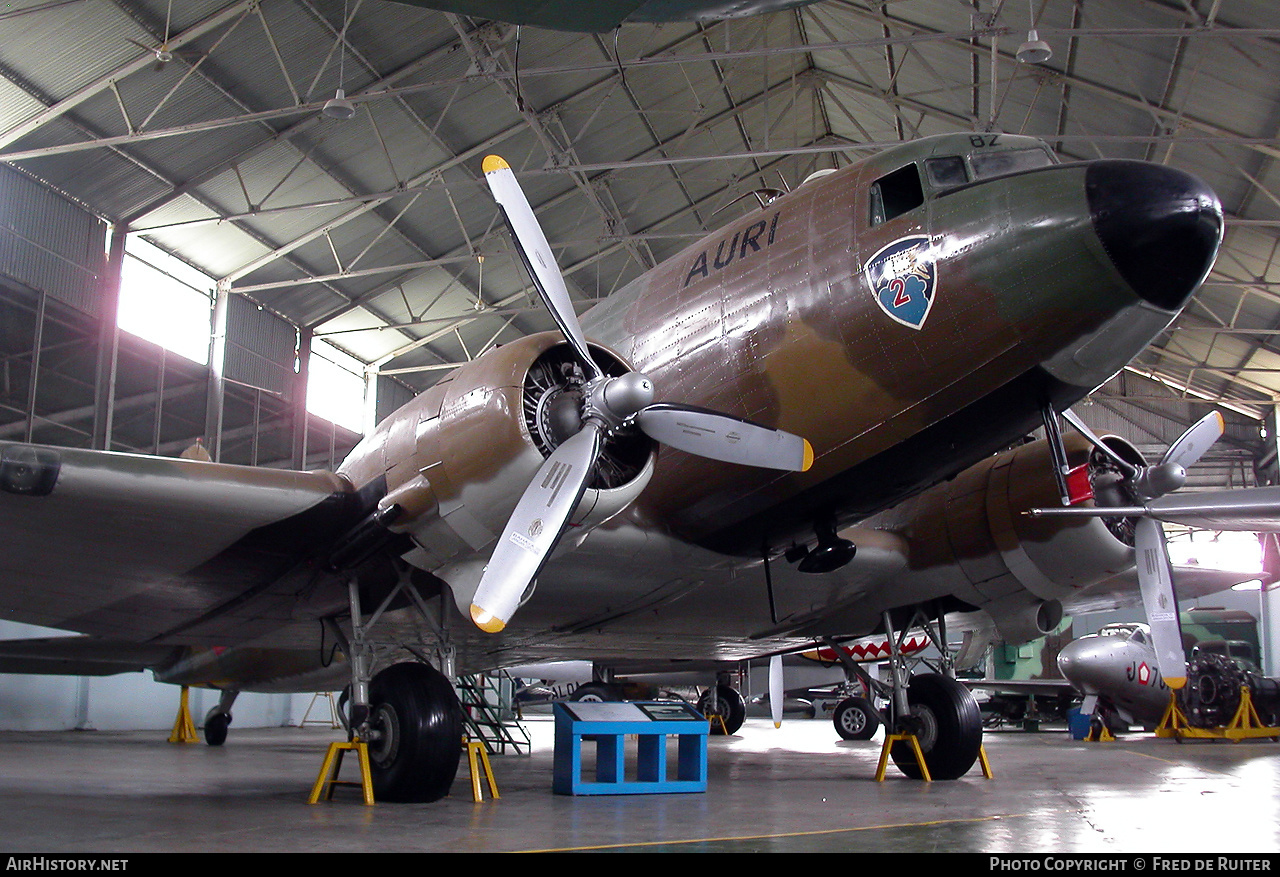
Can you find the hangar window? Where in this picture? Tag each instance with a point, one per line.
(997, 164)
(336, 387)
(165, 300)
(894, 194)
(946, 172)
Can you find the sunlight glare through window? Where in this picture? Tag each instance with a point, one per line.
(165, 301)
(335, 387)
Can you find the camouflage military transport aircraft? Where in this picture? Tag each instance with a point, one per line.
(909, 316)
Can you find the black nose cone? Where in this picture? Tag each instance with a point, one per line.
(1160, 226)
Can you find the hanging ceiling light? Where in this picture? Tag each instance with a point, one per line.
(1034, 50)
(338, 107)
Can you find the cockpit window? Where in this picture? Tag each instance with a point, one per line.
(1137, 636)
(946, 172)
(894, 194)
(996, 164)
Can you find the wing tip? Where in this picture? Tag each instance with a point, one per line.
(807, 460)
(494, 163)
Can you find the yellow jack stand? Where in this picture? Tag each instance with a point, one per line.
(184, 730)
(1103, 736)
(333, 763)
(713, 719)
(476, 758)
(890, 739)
(1245, 724)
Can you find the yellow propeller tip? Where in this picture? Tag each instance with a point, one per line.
(1175, 683)
(808, 456)
(494, 163)
(486, 622)
(777, 724)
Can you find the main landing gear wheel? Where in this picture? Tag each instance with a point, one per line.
(856, 719)
(730, 707)
(415, 725)
(948, 723)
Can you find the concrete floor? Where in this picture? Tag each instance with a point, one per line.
(797, 789)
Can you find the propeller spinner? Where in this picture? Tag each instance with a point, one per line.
(610, 405)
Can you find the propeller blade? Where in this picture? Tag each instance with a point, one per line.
(1070, 417)
(723, 437)
(775, 690)
(534, 528)
(537, 256)
(1155, 579)
(1192, 444)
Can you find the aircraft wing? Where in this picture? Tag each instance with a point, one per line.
(149, 549)
(80, 656)
(1022, 686)
(1121, 591)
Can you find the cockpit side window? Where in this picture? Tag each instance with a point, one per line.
(1010, 161)
(894, 194)
(946, 172)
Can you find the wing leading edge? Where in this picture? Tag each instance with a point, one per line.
(138, 548)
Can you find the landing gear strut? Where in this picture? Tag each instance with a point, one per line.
(938, 711)
(723, 701)
(408, 714)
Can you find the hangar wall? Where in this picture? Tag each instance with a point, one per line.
(124, 702)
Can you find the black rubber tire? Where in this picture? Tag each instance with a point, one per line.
(215, 728)
(419, 722)
(948, 724)
(856, 718)
(595, 692)
(732, 708)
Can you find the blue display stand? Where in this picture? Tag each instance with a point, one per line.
(608, 725)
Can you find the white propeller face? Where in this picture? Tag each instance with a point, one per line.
(610, 405)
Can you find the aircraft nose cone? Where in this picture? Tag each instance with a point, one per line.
(1160, 226)
(1083, 662)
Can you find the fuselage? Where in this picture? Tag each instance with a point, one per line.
(1120, 668)
(909, 315)
(906, 315)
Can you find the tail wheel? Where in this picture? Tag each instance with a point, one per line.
(415, 725)
(730, 707)
(856, 719)
(215, 728)
(948, 723)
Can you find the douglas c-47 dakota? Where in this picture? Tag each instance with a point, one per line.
(793, 431)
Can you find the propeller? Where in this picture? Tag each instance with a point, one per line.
(776, 694)
(1148, 487)
(610, 406)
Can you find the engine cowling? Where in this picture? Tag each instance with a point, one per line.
(458, 457)
(973, 533)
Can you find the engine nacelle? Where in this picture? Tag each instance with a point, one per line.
(458, 458)
(971, 538)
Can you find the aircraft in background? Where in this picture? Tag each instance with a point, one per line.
(604, 15)
(790, 432)
(1117, 672)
